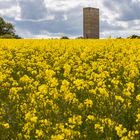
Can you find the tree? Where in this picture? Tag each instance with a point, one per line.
(7, 30)
(64, 37)
(119, 37)
(80, 37)
(134, 37)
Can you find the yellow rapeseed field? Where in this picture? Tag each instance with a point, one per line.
(70, 89)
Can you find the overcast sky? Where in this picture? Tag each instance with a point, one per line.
(55, 18)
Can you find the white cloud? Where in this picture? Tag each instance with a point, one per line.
(13, 11)
(47, 18)
(64, 5)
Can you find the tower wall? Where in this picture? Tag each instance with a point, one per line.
(91, 22)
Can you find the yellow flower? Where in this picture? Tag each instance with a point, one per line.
(99, 128)
(25, 79)
(136, 132)
(120, 130)
(125, 138)
(138, 117)
(70, 97)
(64, 86)
(88, 103)
(54, 82)
(43, 88)
(31, 117)
(60, 89)
(49, 73)
(67, 69)
(34, 119)
(91, 117)
(119, 98)
(138, 97)
(6, 125)
(58, 137)
(130, 87)
(76, 120)
(127, 93)
(39, 133)
(79, 83)
(103, 92)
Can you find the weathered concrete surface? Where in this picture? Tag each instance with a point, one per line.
(91, 22)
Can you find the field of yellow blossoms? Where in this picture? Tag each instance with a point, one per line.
(70, 89)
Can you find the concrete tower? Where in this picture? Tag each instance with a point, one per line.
(91, 22)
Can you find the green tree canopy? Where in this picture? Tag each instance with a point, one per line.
(64, 37)
(134, 37)
(7, 29)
